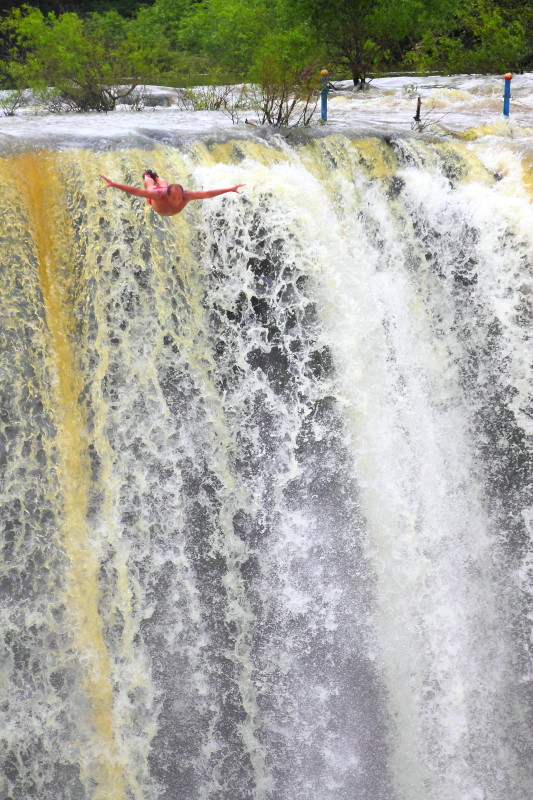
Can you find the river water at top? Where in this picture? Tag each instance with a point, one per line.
(450, 104)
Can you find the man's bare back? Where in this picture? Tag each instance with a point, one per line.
(166, 199)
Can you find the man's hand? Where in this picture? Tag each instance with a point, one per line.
(108, 181)
(233, 188)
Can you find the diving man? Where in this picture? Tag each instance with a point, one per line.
(167, 199)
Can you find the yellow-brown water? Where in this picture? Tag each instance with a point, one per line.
(266, 469)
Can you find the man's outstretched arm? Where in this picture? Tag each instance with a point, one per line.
(191, 195)
(154, 193)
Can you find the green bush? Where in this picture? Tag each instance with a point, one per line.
(69, 60)
(482, 42)
(286, 72)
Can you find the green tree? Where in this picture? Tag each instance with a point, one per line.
(345, 28)
(520, 11)
(363, 36)
(286, 69)
(481, 42)
(86, 68)
(228, 32)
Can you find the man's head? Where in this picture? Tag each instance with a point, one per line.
(175, 192)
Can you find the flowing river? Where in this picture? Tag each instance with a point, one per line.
(266, 465)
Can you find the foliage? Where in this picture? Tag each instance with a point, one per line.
(343, 26)
(286, 74)
(10, 102)
(357, 34)
(126, 8)
(231, 100)
(228, 32)
(93, 61)
(155, 31)
(519, 11)
(290, 102)
(369, 36)
(482, 42)
(86, 68)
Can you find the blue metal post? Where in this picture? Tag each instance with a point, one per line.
(507, 94)
(324, 96)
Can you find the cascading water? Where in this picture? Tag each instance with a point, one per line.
(266, 474)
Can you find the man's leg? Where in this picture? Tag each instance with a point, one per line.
(149, 179)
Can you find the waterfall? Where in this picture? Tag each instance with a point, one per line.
(266, 477)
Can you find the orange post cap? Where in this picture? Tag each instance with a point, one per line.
(324, 72)
(508, 76)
